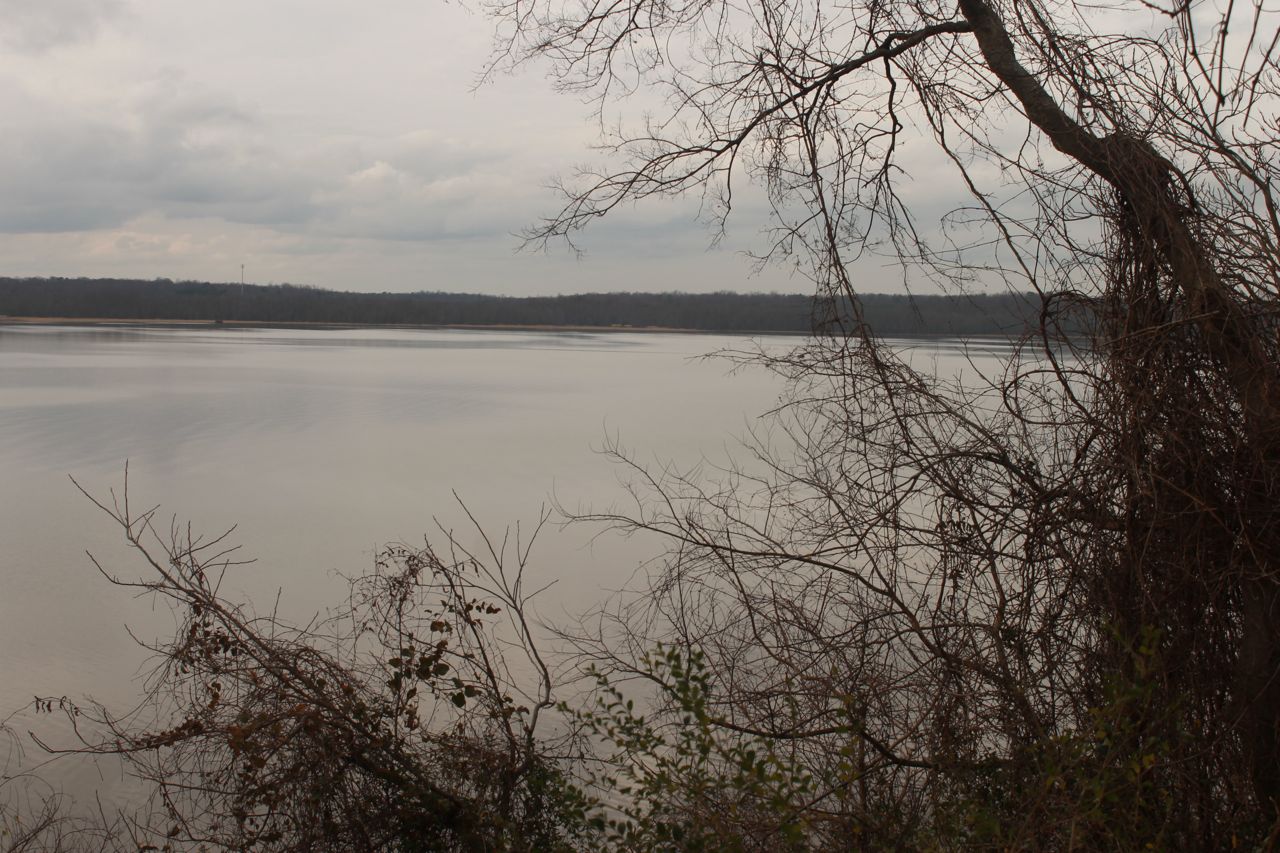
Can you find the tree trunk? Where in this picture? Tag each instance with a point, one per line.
(1159, 218)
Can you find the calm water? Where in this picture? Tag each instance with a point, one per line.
(320, 445)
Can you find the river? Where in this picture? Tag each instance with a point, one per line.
(319, 445)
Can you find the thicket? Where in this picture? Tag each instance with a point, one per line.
(1036, 612)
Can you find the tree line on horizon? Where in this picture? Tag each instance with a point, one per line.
(163, 299)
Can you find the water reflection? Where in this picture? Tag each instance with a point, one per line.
(320, 445)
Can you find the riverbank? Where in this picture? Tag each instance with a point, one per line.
(277, 324)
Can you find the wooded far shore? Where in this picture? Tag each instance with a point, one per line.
(166, 300)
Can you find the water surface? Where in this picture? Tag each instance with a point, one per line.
(319, 446)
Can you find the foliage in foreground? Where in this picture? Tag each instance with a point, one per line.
(397, 724)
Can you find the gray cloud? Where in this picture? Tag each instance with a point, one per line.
(108, 177)
(342, 147)
(177, 149)
(39, 25)
(169, 149)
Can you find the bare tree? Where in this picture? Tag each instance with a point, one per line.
(1044, 612)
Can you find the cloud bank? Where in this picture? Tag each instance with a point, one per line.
(324, 143)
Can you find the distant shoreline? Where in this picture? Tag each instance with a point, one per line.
(462, 327)
(283, 324)
(194, 304)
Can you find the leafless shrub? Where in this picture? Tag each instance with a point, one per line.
(400, 723)
(36, 816)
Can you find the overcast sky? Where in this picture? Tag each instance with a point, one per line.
(328, 142)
